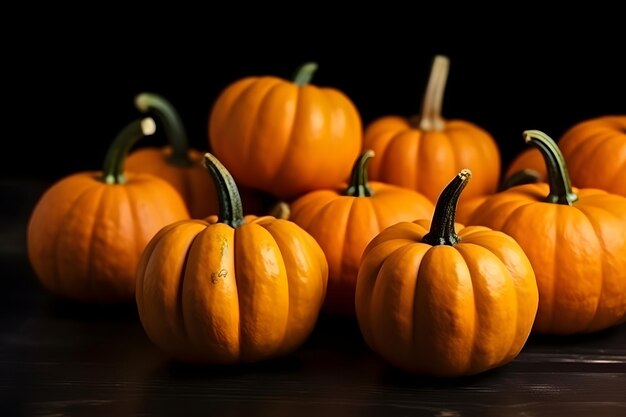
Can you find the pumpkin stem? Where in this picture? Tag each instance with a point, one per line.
(358, 180)
(281, 210)
(230, 211)
(442, 227)
(304, 73)
(430, 118)
(172, 124)
(558, 177)
(523, 176)
(113, 169)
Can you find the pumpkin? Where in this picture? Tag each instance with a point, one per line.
(344, 220)
(230, 289)
(441, 299)
(264, 127)
(181, 165)
(575, 240)
(424, 153)
(595, 152)
(86, 233)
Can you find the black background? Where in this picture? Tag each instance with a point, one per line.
(74, 83)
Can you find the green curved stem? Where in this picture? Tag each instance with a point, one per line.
(524, 176)
(430, 117)
(304, 73)
(359, 186)
(113, 169)
(230, 211)
(172, 124)
(558, 178)
(442, 227)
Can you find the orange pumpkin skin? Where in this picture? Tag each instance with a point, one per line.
(230, 289)
(312, 133)
(85, 237)
(445, 310)
(425, 160)
(595, 152)
(343, 225)
(193, 182)
(578, 251)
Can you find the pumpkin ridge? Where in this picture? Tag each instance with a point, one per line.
(425, 249)
(181, 285)
(55, 276)
(101, 191)
(283, 160)
(136, 221)
(602, 245)
(248, 142)
(476, 326)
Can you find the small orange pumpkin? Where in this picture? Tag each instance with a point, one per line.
(423, 153)
(230, 289)
(181, 165)
(87, 232)
(595, 152)
(440, 299)
(264, 127)
(575, 240)
(344, 220)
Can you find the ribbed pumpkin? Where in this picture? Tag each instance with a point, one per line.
(285, 138)
(344, 220)
(595, 152)
(87, 232)
(181, 165)
(230, 289)
(425, 152)
(575, 240)
(437, 298)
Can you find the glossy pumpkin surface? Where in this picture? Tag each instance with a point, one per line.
(441, 299)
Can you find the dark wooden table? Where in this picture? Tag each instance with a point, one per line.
(63, 359)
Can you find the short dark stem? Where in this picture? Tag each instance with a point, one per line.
(359, 186)
(230, 211)
(560, 185)
(442, 227)
(172, 125)
(113, 169)
(304, 73)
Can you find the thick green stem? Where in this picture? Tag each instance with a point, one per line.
(230, 211)
(172, 125)
(113, 169)
(430, 117)
(359, 186)
(560, 185)
(442, 227)
(304, 73)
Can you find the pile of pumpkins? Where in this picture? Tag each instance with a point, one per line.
(365, 225)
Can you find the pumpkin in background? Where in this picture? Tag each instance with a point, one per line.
(230, 289)
(424, 153)
(344, 220)
(285, 138)
(181, 165)
(595, 152)
(575, 240)
(528, 159)
(87, 232)
(442, 299)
